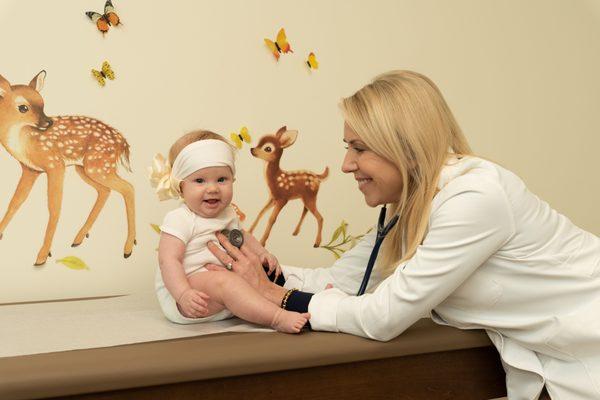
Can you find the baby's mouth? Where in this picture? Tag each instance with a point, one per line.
(212, 201)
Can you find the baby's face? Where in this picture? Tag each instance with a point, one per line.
(208, 191)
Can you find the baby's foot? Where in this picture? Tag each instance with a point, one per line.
(289, 321)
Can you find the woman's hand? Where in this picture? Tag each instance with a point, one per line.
(268, 259)
(243, 262)
(192, 303)
(247, 264)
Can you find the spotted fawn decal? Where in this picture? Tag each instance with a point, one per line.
(43, 144)
(287, 185)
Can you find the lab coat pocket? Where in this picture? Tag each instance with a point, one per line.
(577, 336)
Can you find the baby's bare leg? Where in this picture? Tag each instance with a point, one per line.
(245, 302)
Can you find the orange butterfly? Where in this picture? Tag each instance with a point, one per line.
(280, 45)
(312, 62)
(239, 212)
(105, 21)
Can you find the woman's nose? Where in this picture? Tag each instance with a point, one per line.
(349, 164)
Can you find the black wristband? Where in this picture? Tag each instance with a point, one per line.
(298, 301)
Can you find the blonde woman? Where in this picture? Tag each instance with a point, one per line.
(472, 247)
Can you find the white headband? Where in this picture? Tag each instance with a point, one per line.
(194, 156)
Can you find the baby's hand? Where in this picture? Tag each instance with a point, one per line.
(268, 259)
(192, 303)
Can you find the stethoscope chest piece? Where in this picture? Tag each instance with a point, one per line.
(235, 237)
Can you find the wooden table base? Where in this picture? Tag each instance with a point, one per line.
(461, 374)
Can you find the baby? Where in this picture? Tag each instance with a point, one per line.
(202, 174)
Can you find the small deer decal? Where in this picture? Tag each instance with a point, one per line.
(43, 144)
(287, 185)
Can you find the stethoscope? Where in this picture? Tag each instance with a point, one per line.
(382, 231)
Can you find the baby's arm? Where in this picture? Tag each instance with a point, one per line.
(170, 258)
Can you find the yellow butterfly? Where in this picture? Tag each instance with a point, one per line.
(312, 61)
(239, 138)
(105, 73)
(280, 45)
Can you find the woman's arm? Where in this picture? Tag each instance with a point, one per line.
(345, 274)
(472, 223)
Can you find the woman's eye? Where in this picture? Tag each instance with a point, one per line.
(356, 149)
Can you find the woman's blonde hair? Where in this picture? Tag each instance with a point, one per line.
(403, 117)
(190, 138)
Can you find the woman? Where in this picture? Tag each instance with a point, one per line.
(472, 246)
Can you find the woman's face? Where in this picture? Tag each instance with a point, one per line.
(378, 179)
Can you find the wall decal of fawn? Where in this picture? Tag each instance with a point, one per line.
(43, 144)
(287, 185)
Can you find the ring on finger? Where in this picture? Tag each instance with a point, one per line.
(229, 266)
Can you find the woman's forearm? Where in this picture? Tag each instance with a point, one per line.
(274, 293)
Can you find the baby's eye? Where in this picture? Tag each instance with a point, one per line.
(222, 179)
(199, 180)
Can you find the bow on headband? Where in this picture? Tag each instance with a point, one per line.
(160, 178)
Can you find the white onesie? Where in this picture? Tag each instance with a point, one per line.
(195, 231)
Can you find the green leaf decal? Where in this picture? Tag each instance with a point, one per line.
(73, 262)
(336, 234)
(156, 228)
(345, 243)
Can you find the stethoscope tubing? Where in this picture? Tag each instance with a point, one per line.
(381, 233)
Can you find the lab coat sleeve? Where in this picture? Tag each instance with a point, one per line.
(345, 274)
(471, 223)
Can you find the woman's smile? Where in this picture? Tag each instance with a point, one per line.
(362, 182)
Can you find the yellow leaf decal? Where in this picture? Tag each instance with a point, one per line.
(155, 227)
(73, 262)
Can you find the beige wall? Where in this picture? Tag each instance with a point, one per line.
(521, 77)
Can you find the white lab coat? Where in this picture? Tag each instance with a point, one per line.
(496, 257)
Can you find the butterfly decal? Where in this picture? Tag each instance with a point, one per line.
(312, 62)
(281, 45)
(105, 73)
(238, 212)
(105, 21)
(239, 138)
